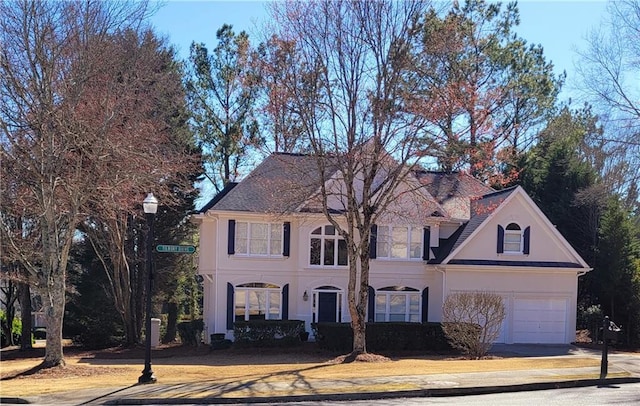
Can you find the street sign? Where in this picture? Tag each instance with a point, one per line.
(180, 249)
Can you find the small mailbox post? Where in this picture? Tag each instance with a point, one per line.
(609, 332)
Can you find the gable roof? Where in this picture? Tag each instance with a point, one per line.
(284, 182)
(279, 184)
(453, 190)
(484, 208)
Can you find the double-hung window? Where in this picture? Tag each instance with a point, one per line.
(513, 239)
(395, 303)
(399, 242)
(261, 239)
(258, 301)
(327, 247)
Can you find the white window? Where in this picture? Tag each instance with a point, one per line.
(327, 248)
(264, 239)
(257, 301)
(397, 303)
(513, 238)
(399, 242)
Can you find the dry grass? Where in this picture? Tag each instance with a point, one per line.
(172, 364)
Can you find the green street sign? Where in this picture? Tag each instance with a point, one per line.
(179, 249)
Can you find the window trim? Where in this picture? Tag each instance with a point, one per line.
(336, 237)
(407, 292)
(508, 232)
(278, 252)
(244, 289)
(409, 241)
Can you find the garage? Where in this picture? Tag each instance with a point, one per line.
(539, 320)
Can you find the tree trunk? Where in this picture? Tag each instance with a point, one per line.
(24, 297)
(172, 321)
(54, 303)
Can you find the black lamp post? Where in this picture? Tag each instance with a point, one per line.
(150, 205)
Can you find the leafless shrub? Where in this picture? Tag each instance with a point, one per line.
(472, 320)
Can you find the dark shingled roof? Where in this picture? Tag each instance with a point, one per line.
(278, 185)
(453, 191)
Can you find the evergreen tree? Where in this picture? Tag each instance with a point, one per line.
(616, 273)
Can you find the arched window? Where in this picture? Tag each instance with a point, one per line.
(258, 301)
(327, 248)
(513, 238)
(398, 303)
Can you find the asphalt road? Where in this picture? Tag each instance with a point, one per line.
(625, 394)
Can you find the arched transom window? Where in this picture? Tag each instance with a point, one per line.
(513, 238)
(327, 248)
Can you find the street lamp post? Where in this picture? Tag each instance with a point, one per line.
(150, 206)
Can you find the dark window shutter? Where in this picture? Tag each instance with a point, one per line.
(371, 302)
(425, 305)
(527, 244)
(286, 238)
(500, 246)
(231, 238)
(426, 243)
(285, 302)
(230, 306)
(373, 242)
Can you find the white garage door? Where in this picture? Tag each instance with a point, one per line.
(539, 320)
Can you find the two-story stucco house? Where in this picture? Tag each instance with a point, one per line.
(266, 252)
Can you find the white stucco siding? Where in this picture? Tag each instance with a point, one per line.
(545, 243)
(540, 304)
(207, 246)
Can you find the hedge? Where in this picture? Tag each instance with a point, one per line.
(267, 333)
(388, 336)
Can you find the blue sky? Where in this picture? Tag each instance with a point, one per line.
(559, 26)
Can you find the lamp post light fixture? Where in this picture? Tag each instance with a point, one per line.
(150, 206)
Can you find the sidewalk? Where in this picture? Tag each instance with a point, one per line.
(622, 368)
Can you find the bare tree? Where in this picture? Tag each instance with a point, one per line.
(472, 321)
(63, 143)
(608, 71)
(348, 95)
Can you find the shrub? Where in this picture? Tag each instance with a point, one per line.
(389, 336)
(472, 321)
(268, 333)
(16, 330)
(190, 332)
(590, 318)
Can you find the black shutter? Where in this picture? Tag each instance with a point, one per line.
(373, 242)
(527, 234)
(500, 246)
(286, 238)
(426, 243)
(285, 302)
(231, 238)
(425, 304)
(371, 308)
(230, 306)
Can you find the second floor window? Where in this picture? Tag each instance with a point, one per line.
(399, 242)
(513, 238)
(258, 239)
(327, 248)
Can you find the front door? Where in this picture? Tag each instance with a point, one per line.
(327, 307)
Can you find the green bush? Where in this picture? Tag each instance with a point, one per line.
(190, 332)
(16, 330)
(381, 337)
(267, 333)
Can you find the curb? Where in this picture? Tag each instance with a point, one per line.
(419, 393)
